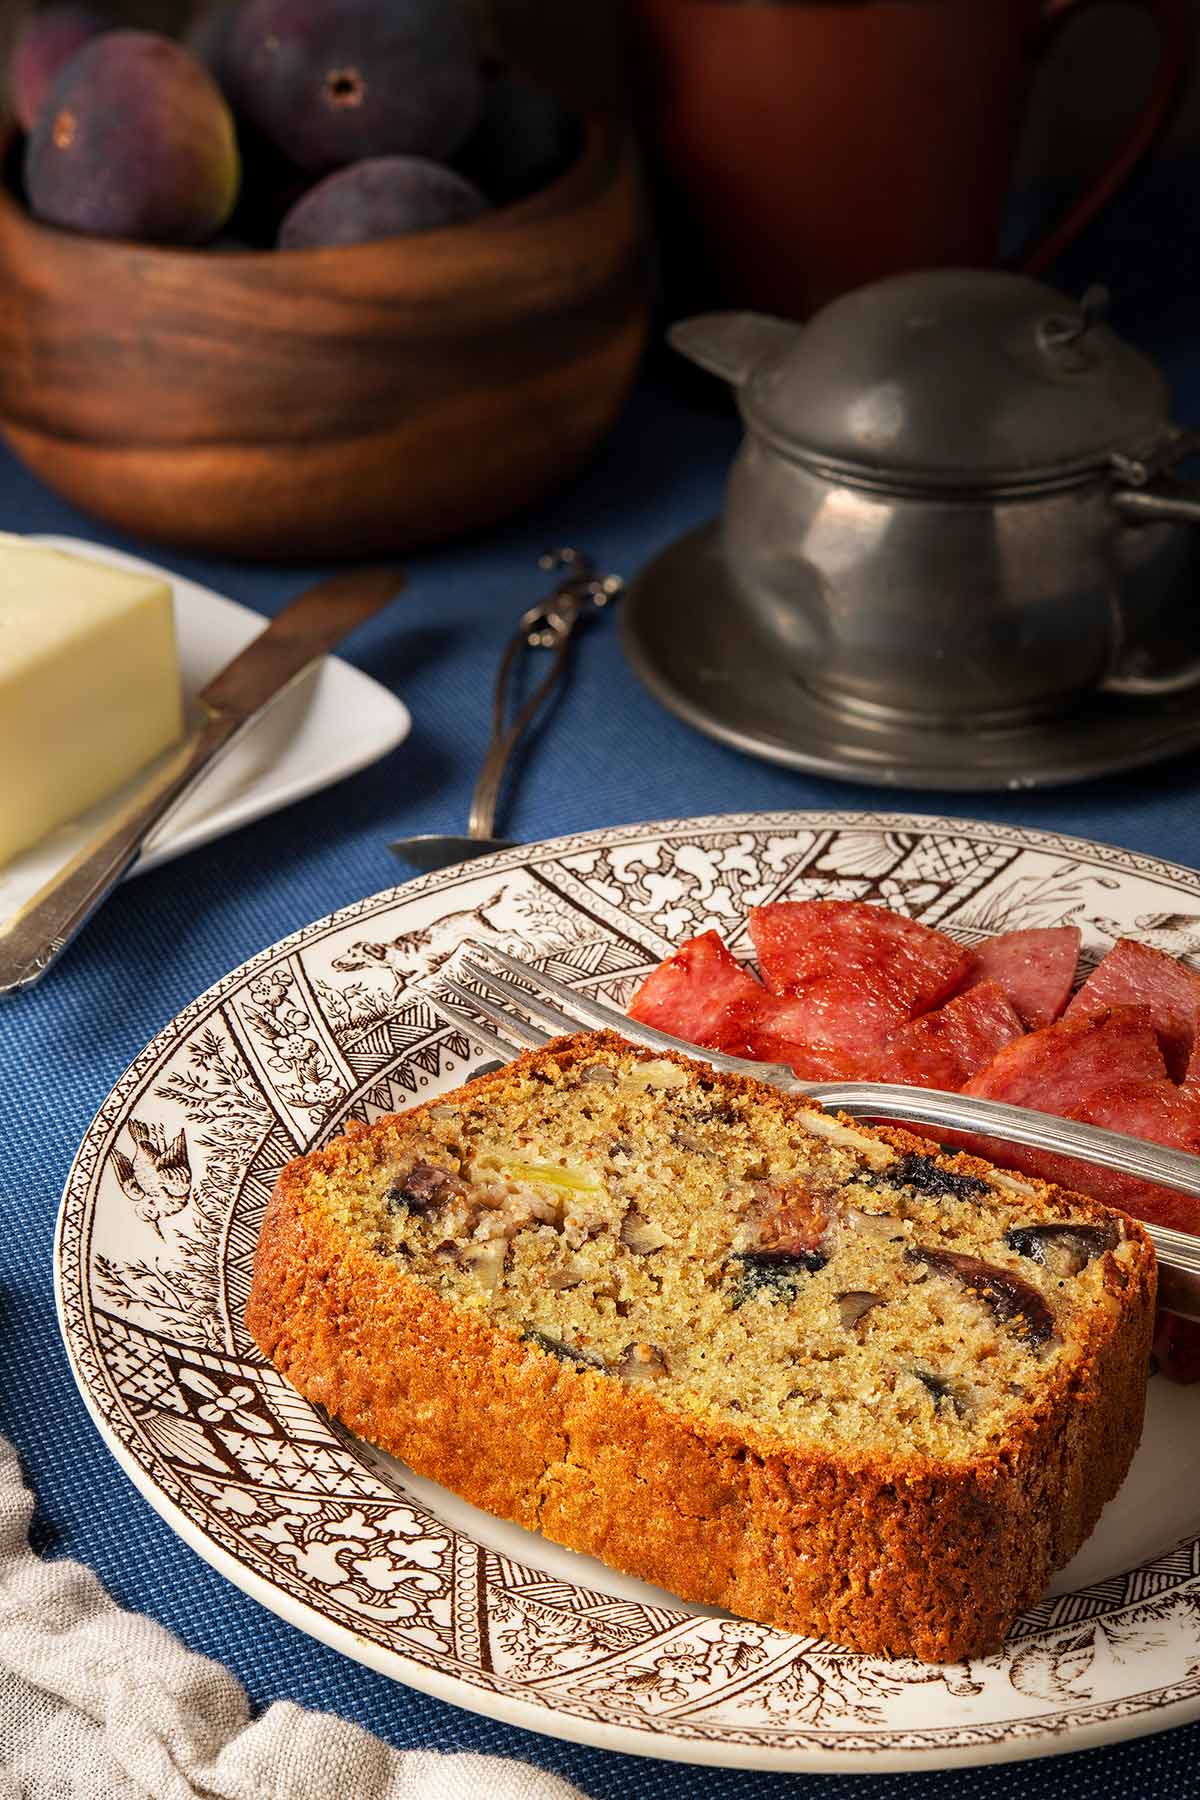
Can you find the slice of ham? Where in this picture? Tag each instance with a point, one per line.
(698, 994)
(1058, 1068)
(1035, 968)
(937, 1049)
(852, 973)
(1133, 974)
(764, 1035)
(1164, 1114)
(1108, 1071)
(943, 1049)
(1159, 1111)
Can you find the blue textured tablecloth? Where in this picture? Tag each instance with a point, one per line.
(607, 755)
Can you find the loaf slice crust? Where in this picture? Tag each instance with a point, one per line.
(823, 1377)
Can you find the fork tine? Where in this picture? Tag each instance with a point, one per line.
(533, 1003)
(583, 1007)
(521, 1030)
(479, 1034)
(588, 1011)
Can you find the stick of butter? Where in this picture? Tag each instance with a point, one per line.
(89, 685)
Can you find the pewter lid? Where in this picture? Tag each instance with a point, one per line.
(949, 377)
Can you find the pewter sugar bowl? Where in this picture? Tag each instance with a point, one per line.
(954, 501)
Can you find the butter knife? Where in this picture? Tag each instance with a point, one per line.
(306, 630)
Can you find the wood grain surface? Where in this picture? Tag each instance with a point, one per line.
(332, 402)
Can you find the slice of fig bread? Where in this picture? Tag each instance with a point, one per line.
(765, 1273)
(623, 1215)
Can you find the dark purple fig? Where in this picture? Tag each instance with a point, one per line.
(43, 48)
(210, 40)
(332, 82)
(271, 185)
(134, 141)
(525, 138)
(1009, 1297)
(386, 196)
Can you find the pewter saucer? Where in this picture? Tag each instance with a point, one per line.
(692, 646)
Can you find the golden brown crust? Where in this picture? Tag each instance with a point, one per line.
(895, 1556)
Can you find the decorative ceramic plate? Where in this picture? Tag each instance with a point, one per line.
(330, 724)
(157, 1233)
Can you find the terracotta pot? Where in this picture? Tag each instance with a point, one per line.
(808, 147)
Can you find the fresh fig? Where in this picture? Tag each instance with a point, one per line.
(524, 140)
(134, 141)
(332, 82)
(210, 39)
(386, 196)
(43, 47)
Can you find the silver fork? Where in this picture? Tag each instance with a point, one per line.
(524, 1008)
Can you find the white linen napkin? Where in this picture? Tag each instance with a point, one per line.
(96, 1701)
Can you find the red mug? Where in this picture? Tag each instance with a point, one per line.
(805, 147)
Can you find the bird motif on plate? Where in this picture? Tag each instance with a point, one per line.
(157, 1178)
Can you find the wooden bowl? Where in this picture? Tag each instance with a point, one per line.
(326, 403)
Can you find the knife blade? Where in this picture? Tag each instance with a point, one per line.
(307, 629)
